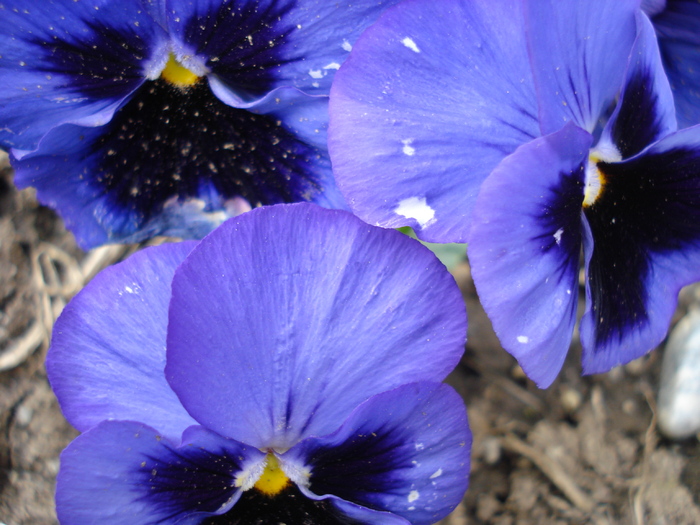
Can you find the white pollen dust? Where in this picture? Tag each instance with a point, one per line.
(436, 474)
(315, 73)
(407, 148)
(558, 234)
(523, 339)
(347, 46)
(332, 65)
(416, 208)
(410, 44)
(413, 496)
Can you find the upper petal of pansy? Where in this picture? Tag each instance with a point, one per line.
(645, 112)
(125, 473)
(432, 97)
(524, 248)
(179, 162)
(678, 30)
(646, 246)
(285, 319)
(255, 46)
(405, 451)
(579, 51)
(107, 354)
(71, 63)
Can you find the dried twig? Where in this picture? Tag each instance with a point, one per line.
(552, 470)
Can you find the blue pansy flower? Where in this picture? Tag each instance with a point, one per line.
(286, 369)
(135, 118)
(556, 131)
(677, 24)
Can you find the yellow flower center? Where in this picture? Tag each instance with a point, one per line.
(273, 479)
(595, 179)
(177, 74)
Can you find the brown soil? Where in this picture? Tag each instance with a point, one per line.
(586, 450)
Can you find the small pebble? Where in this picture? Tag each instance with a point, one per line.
(570, 400)
(679, 390)
(492, 450)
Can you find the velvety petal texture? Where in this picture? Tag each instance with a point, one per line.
(166, 117)
(406, 451)
(210, 162)
(70, 63)
(305, 41)
(122, 472)
(278, 331)
(432, 97)
(645, 112)
(108, 346)
(524, 249)
(677, 24)
(646, 234)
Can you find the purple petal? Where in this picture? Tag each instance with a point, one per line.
(122, 472)
(646, 233)
(433, 96)
(678, 30)
(70, 63)
(405, 451)
(179, 163)
(524, 249)
(645, 112)
(579, 51)
(107, 352)
(285, 319)
(256, 47)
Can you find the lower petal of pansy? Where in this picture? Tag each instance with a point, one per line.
(432, 97)
(286, 318)
(405, 451)
(646, 232)
(524, 249)
(678, 30)
(122, 472)
(173, 161)
(107, 355)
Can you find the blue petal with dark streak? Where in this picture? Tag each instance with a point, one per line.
(646, 231)
(524, 248)
(678, 30)
(240, 42)
(645, 112)
(405, 451)
(129, 179)
(125, 473)
(70, 63)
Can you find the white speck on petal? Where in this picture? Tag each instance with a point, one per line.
(347, 46)
(316, 73)
(407, 148)
(332, 65)
(410, 44)
(416, 208)
(568, 292)
(558, 234)
(436, 474)
(420, 446)
(523, 339)
(413, 496)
